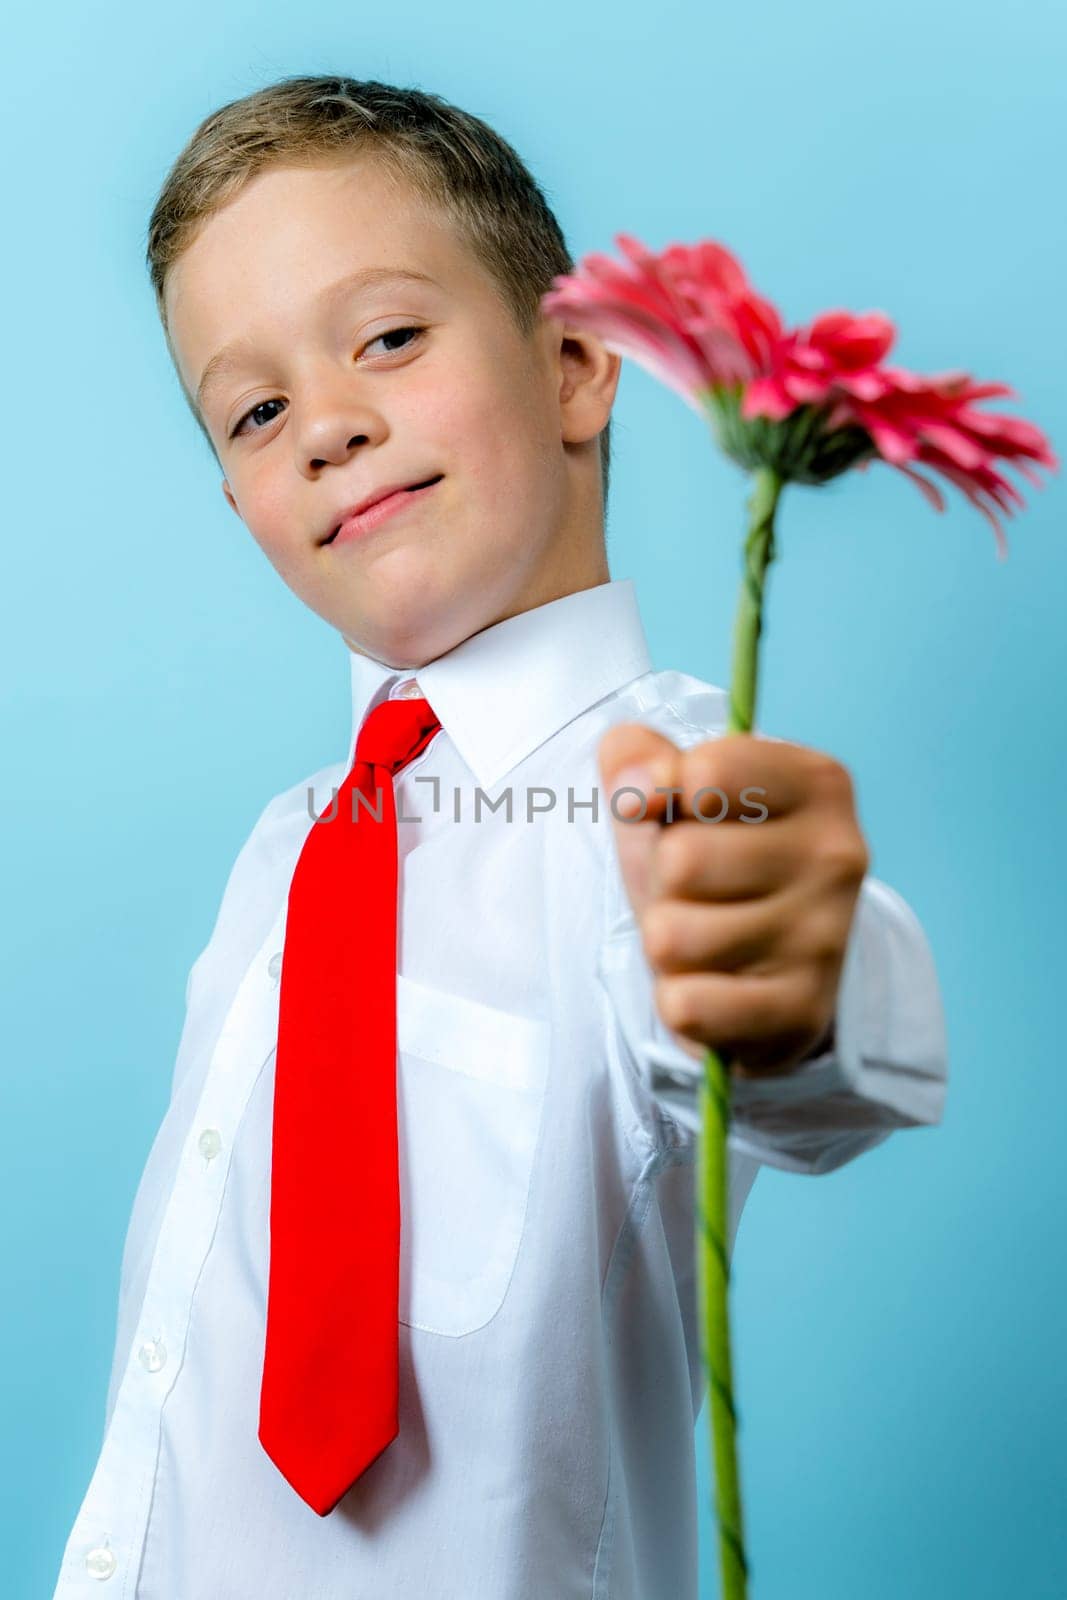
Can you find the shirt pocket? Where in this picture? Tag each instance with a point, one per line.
(470, 1093)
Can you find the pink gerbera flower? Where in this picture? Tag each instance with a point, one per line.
(811, 402)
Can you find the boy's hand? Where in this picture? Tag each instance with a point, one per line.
(744, 923)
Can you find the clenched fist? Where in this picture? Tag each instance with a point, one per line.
(744, 920)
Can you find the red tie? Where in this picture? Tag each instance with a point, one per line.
(328, 1401)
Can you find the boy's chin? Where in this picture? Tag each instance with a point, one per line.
(408, 643)
(402, 654)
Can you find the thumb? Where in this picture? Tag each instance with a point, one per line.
(633, 756)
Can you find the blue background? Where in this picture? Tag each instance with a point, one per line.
(899, 1325)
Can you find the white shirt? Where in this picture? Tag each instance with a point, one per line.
(550, 1375)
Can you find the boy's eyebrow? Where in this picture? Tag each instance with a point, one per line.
(231, 355)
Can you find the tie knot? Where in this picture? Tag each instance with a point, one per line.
(395, 732)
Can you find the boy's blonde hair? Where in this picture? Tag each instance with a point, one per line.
(451, 159)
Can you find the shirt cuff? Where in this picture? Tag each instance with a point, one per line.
(886, 1067)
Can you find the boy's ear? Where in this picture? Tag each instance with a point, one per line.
(589, 380)
(228, 492)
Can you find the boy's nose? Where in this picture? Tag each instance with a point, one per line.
(333, 418)
(319, 450)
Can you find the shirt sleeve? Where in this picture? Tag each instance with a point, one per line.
(886, 1066)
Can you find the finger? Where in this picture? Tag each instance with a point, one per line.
(744, 776)
(695, 860)
(631, 754)
(753, 1017)
(687, 936)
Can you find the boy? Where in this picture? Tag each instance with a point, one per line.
(499, 1400)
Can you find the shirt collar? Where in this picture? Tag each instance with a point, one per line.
(502, 692)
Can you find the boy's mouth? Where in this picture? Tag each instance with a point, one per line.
(351, 515)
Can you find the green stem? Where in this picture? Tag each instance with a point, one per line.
(748, 620)
(713, 1266)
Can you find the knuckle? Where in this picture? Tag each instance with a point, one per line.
(825, 939)
(843, 856)
(832, 781)
(831, 773)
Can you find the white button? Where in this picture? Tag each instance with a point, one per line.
(210, 1143)
(409, 690)
(100, 1563)
(274, 965)
(152, 1355)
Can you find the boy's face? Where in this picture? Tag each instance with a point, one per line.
(317, 411)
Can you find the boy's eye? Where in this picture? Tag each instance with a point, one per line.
(262, 406)
(390, 333)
